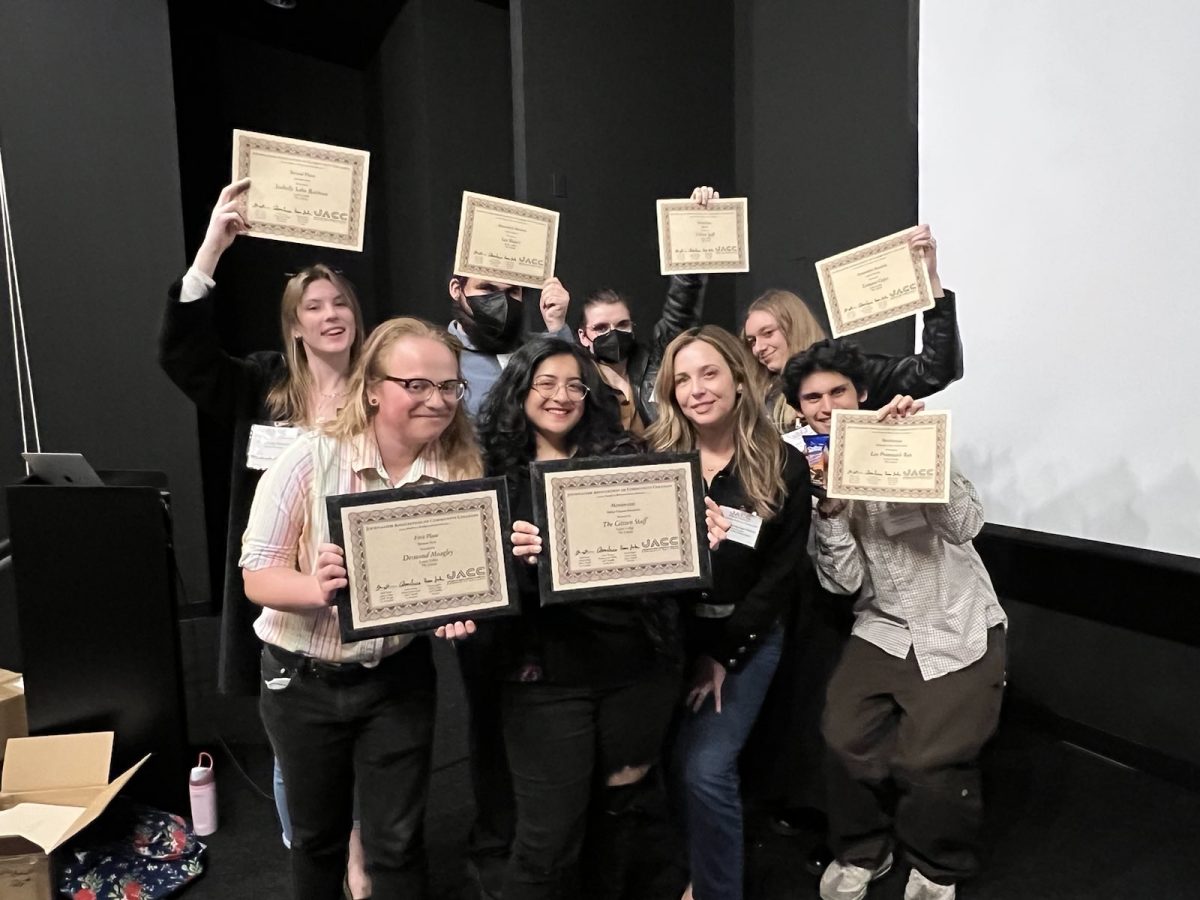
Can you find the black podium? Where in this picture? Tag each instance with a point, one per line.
(96, 608)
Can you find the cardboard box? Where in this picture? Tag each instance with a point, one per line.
(51, 788)
(13, 722)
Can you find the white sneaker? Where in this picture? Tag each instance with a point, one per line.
(921, 888)
(843, 881)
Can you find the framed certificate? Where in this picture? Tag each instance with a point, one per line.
(620, 527)
(505, 241)
(423, 555)
(301, 191)
(898, 460)
(876, 283)
(695, 239)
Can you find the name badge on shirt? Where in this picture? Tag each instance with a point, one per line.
(743, 526)
(267, 442)
(902, 517)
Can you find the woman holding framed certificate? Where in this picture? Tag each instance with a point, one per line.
(710, 401)
(342, 716)
(589, 687)
(779, 325)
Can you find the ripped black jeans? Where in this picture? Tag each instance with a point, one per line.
(563, 744)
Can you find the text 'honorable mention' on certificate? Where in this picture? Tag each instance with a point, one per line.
(505, 241)
(421, 556)
(695, 239)
(302, 191)
(899, 460)
(623, 527)
(876, 283)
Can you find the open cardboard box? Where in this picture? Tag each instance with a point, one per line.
(13, 721)
(52, 787)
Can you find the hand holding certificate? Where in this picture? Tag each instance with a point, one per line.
(876, 283)
(422, 556)
(620, 528)
(302, 191)
(700, 237)
(506, 241)
(901, 460)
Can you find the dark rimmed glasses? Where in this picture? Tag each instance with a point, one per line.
(421, 389)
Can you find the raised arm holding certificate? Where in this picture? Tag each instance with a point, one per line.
(695, 239)
(506, 241)
(301, 191)
(901, 460)
(621, 527)
(422, 556)
(876, 283)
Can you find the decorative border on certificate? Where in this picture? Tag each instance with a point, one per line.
(476, 263)
(698, 263)
(885, 308)
(658, 547)
(375, 603)
(932, 476)
(246, 143)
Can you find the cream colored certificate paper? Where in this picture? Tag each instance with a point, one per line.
(301, 191)
(505, 241)
(876, 283)
(425, 558)
(901, 461)
(627, 525)
(694, 240)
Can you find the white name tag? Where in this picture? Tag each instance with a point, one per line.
(743, 526)
(267, 442)
(902, 517)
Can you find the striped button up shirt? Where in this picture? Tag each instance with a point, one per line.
(288, 522)
(921, 583)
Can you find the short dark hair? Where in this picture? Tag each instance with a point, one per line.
(602, 296)
(828, 355)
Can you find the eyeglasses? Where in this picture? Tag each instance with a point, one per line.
(421, 389)
(549, 387)
(605, 328)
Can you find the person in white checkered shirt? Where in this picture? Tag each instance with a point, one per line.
(917, 692)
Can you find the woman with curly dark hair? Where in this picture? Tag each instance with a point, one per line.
(588, 688)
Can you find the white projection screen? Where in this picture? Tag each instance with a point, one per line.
(1060, 169)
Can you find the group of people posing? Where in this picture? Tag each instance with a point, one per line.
(604, 737)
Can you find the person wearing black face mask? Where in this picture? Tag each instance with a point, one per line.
(629, 366)
(488, 320)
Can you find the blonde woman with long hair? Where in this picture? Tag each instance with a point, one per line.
(710, 401)
(779, 325)
(360, 715)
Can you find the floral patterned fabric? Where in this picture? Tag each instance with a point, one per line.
(158, 856)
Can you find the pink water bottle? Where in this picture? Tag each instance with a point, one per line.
(202, 786)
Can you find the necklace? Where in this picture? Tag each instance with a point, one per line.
(332, 395)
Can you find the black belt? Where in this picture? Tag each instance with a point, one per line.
(334, 673)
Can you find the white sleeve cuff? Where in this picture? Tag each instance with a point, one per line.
(196, 285)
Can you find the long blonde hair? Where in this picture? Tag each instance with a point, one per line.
(758, 453)
(801, 330)
(456, 447)
(288, 400)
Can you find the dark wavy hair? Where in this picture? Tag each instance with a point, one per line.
(505, 432)
(828, 355)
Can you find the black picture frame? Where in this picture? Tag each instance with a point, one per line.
(501, 555)
(585, 587)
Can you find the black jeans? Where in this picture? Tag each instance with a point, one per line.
(334, 727)
(563, 743)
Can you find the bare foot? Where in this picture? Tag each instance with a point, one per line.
(356, 871)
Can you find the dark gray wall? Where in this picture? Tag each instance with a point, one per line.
(88, 133)
(826, 138)
(442, 124)
(622, 103)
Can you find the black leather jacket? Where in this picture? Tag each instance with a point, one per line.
(681, 311)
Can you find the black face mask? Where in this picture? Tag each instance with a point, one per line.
(495, 323)
(613, 347)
